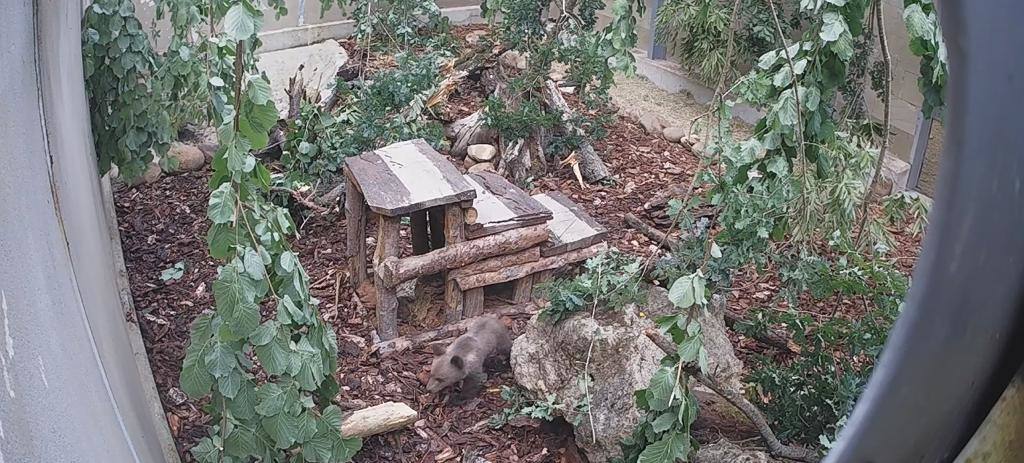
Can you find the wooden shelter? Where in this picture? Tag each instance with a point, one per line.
(478, 229)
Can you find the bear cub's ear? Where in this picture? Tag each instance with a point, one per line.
(438, 349)
(457, 362)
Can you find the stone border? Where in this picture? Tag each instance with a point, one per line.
(167, 442)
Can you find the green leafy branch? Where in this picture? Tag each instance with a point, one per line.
(926, 42)
(270, 380)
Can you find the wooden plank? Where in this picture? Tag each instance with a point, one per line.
(501, 206)
(387, 298)
(473, 302)
(418, 230)
(407, 176)
(571, 228)
(497, 262)
(520, 271)
(355, 228)
(453, 235)
(459, 254)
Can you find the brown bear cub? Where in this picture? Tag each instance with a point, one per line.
(463, 360)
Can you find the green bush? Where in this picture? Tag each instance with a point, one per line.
(612, 278)
(809, 396)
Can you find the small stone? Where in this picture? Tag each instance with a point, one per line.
(513, 59)
(674, 133)
(188, 157)
(481, 153)
(632, 114)
(652, 124)
(473, 38)
(468, 162)
(152, 174)
(567, 90)
(208, 149)
(482, 167)
(176, 396)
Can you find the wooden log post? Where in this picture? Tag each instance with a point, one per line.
(436, 227)
(591, 166)
(473, 302)
(418, 230)
(355, 224)
(387, 297)
(522, 292)
(454, 234)
(378, 419)
(460, 254)
(521, 271)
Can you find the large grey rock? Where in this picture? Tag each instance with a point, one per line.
(551, 359)
(724, 451)
(723, 364)
(652, 124)
(320, 63)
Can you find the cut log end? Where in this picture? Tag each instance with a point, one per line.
(471, 215)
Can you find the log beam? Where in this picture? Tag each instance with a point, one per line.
(497, 263)
(387, 297)
(521, 271)
(378, 419)
(460, 253)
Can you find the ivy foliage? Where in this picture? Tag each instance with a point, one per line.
(393, 25)
(389, 108)
(590, 55)
(270, 379)
(926, 42)
(130, 124)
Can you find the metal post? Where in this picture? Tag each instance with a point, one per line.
(657, 50)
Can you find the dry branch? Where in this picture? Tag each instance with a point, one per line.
(394, 271)
(394, 346)
(756, 417)
(654, 234)
(591, 165)
(774, 338)
(378, 419)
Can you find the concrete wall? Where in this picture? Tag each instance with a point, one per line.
(303, 24)
(76, 381)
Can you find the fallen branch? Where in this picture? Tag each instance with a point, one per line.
(756, 417)
(886, 110)
(774, 338)
(663, 240)
(400, 344)
(591, 165)
(301, 200)
(378, 419)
